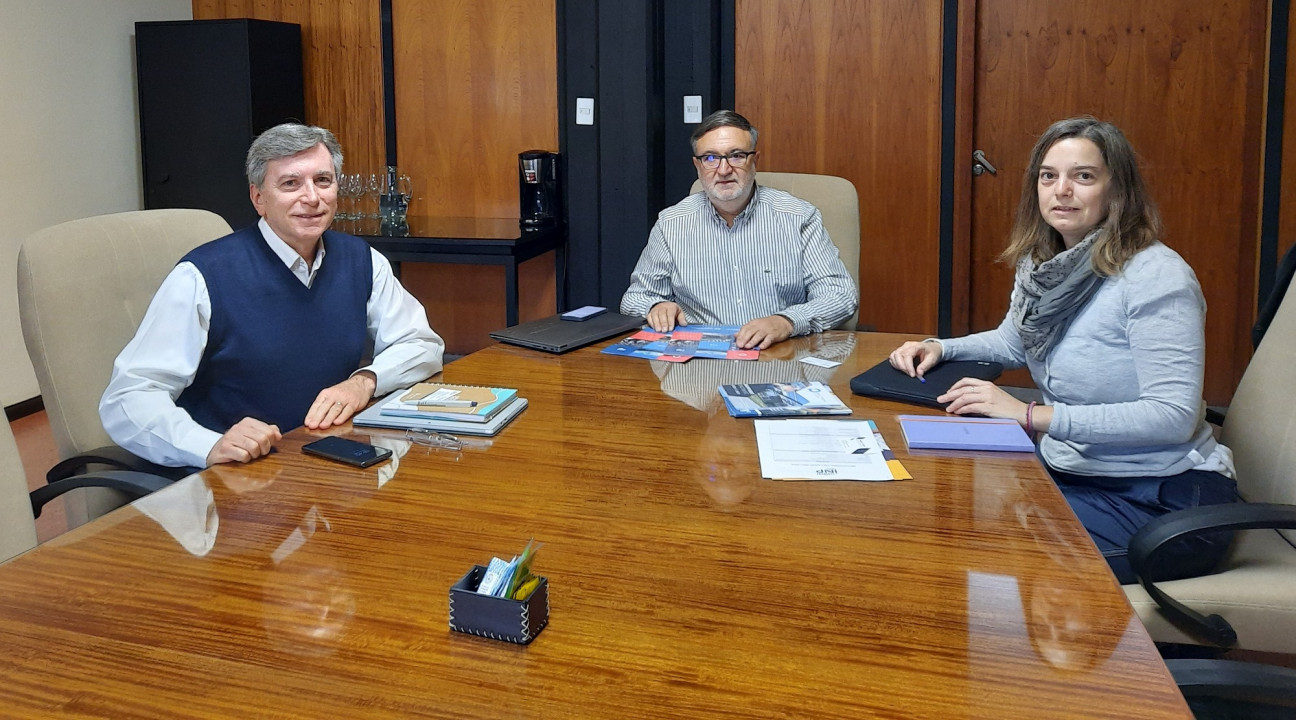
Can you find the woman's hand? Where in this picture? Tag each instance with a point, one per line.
(915, 358)
(982, 397)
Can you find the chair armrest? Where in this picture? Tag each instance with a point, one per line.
(1231, 679)
(1154, 536)
(135, 484)
(116, 459)
(1215, 414)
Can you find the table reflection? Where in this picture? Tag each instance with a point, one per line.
(1069, 630)
(187, 511)
(695, 382)
(307, 601)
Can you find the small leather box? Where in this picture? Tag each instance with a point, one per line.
(515, 621)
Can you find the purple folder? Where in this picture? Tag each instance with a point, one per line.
(952, 432)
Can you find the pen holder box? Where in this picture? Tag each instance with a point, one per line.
(515, 621)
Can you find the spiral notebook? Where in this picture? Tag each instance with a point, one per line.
(465, 403)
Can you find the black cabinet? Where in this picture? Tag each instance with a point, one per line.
(207, 88)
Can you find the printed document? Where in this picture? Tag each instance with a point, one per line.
(822, 450)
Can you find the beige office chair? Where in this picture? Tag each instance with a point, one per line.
(19, 510)
(1251, 602)
(838, 203)
(17, 526)
(83, 287)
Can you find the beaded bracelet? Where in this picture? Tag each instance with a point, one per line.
(1030, 421)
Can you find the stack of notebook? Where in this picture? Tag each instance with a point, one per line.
(458, 409)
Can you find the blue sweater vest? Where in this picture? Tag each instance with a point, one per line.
(274, 343)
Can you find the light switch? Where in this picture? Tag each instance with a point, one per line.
(584, 111)
(692, 108)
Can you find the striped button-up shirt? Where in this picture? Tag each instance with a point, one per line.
(777, 259)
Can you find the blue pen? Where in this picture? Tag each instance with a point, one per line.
(922, 380)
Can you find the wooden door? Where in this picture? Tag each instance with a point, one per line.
(1184, 80)
(852, 89)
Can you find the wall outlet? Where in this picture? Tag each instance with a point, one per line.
(693, 109)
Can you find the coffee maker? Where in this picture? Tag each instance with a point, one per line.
(540, 203)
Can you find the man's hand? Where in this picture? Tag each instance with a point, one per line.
(763, 332)
(335, 405)
(247, 440)
(664, 316)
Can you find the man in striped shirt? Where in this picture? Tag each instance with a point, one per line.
(739, 254)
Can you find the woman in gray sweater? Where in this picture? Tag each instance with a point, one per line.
(1110, 323)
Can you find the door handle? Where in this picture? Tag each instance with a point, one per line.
(981, 165)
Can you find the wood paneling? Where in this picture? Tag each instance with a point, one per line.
(465, 303)
(1184, 80)
(341, 62)
(853, 89)
(476, 84)
(964, 106)
(681, 585)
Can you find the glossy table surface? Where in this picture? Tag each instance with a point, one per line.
(681, 583)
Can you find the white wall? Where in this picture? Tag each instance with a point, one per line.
(69, 133)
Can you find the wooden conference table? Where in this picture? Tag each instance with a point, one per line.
(681, 583)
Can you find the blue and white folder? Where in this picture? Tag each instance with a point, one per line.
(952, 432)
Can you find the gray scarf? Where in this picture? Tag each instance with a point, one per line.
(1051, 294)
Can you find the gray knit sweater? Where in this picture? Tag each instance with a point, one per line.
(1125, 382)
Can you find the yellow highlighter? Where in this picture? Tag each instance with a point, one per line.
(525, 590)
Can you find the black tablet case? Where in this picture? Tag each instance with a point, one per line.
(555, 335)
(884, 381)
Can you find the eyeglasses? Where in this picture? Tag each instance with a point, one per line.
(434, 439)
(736, 159)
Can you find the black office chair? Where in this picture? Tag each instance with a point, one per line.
(1235, 690)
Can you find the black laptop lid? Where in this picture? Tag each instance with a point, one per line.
(884, 381)
(555, 335)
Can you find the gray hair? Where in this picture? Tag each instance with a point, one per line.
(719, 119)
(286, 140)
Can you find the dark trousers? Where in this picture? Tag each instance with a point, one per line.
(1112, 509)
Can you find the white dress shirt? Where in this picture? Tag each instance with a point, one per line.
(775, 259)
(138, 407)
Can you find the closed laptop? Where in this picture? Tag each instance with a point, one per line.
(555, 335)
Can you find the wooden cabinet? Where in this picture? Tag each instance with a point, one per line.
(207, 88)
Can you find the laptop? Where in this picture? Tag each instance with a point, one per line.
(555, 335)
(884, 381)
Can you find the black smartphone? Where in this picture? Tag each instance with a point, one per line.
(347, 451)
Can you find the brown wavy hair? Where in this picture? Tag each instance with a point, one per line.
(1132, 222)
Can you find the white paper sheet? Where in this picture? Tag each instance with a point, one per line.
(820, 450)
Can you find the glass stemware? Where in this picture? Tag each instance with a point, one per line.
(373, 190)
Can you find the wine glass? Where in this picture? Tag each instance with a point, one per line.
(353, 188)
(373, 190)
(342, 212)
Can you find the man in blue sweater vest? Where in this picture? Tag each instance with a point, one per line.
(257, 332)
